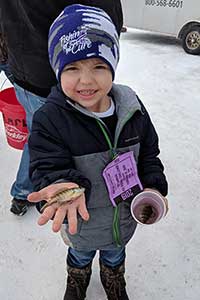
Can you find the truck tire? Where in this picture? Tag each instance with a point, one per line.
(191, 40)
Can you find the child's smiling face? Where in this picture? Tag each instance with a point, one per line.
(88, 83)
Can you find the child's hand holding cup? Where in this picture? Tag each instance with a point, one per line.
(148, 207)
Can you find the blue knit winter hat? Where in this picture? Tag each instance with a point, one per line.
(82, 32)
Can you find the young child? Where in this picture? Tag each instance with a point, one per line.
(89, 134)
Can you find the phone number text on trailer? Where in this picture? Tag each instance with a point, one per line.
(165, 3)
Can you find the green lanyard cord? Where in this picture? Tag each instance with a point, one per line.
(106, 137)
(116, 232)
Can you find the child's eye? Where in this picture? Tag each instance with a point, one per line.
(71, 69)
(100, 67)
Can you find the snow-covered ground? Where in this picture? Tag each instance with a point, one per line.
(162, 259)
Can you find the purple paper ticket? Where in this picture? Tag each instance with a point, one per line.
(121, 176)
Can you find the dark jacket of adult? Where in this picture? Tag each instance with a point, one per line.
(3, 48)
(26, 24)
(67, 143)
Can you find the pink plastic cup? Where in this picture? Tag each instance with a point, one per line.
(149, 200)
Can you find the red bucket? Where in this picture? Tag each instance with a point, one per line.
(14, 118)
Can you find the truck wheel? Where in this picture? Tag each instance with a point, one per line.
(191, 40)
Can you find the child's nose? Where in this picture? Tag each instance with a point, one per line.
(86, 76)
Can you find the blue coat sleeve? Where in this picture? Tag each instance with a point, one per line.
(150, 167)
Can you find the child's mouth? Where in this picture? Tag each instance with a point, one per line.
(87, 93)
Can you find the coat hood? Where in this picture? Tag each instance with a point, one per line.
(124, 97)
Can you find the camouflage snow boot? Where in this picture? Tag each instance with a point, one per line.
(113, 282)
(77, 282)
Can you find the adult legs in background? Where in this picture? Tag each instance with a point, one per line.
(22, 185)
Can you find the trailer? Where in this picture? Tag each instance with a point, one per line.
(179, 18)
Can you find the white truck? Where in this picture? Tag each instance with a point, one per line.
(179, 18)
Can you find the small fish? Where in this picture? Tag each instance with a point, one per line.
(146, 214)
(64, 196)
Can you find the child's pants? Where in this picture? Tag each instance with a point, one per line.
(109, 258)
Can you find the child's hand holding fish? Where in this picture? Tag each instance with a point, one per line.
(64, 199)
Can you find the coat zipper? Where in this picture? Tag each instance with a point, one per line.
(116, 232)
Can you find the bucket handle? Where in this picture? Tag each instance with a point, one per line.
(7, 78)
